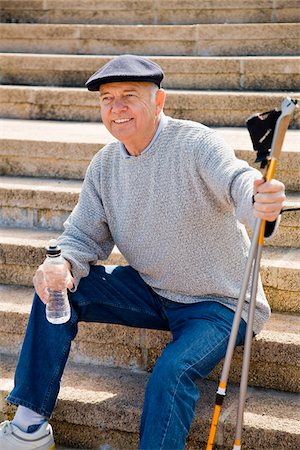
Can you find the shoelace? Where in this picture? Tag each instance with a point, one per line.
(5, 427)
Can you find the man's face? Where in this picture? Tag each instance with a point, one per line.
(130, 111)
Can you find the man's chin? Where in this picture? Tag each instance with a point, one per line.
(121, 133)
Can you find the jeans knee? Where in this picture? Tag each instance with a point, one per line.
(174, 374)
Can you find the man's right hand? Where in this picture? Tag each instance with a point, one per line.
(40, 285)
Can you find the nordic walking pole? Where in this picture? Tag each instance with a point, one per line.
(287, 108)
(221, 392)
(282, 123)
(247, 351)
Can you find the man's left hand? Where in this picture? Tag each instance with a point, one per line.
(269, 197)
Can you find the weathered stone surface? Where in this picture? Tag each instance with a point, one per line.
(19, 268)
(45, 204)
(87, 437)
(270, 73)
(147, 12)
(39, 148)
(214, 108)
(260, 73)
(37, 203)
(110, 400)
(270, 39)
(287, 170)
(64, 149)
(280, 266)
(190, 40)
(274, 359)
(211, 108)
(283, 300)
(261, 411)
(285, 268)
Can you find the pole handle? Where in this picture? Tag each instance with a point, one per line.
(282, 125)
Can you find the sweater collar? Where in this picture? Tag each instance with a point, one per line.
(162, 122)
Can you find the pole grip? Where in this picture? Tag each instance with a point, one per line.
(277, 142)
(268, 177)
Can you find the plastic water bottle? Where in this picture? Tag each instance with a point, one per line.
(58, 307)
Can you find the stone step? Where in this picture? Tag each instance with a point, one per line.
(64, 149)
(37, 202)
(189, 40)
(246, 73)
(21, 251)
(49, 148)
(43, 203)
(214, 108)
(274, 356)
(107, 403)
(149, 11)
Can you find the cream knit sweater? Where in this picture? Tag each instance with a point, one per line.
(175, 213)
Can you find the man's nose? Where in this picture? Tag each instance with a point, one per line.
(118, 105)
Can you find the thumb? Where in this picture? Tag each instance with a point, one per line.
(256, 184)
(70, 280)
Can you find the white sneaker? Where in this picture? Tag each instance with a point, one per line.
(12, 438)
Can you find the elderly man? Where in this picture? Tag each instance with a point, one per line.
(173, 197)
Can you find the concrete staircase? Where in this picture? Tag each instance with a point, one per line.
(223, 61)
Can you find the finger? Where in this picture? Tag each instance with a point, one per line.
(40, 285)
(256, 184)
(270, 186)
(44, 295)
(268, 207)
(267, 211)
(70, 283)
(270, 197)
(70, 280)
(269, 217)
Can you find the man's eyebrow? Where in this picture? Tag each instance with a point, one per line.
(125, 91)
(104, 93)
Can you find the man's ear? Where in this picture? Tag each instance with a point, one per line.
(160, 100)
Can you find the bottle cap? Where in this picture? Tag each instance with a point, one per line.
(53, 248)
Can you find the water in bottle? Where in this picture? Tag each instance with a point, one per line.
(58, 307)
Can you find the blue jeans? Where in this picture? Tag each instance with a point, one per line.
(200, 336)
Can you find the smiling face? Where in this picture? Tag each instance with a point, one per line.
(130, 111)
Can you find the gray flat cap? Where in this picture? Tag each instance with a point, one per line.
(126, 68)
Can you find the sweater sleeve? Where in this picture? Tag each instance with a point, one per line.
(86, 237)
(228, 178)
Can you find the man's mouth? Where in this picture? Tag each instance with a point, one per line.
(121, 120)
